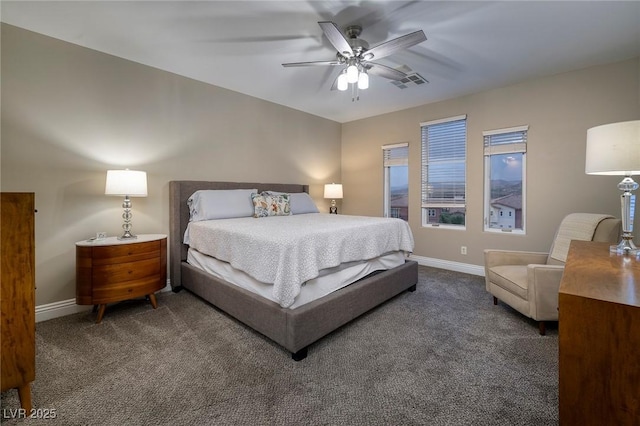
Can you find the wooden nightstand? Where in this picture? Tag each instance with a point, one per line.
(112, 270)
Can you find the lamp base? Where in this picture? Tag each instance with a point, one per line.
(127, 236)
(333, 209)
(626, 246)
(628, 206)
(126, 215)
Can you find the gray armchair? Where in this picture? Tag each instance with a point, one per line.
(529, 281)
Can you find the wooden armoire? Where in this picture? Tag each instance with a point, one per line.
(18, 293)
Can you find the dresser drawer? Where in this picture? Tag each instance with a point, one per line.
(126, 290)
(108, 255)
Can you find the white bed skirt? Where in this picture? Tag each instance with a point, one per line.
(328, 281)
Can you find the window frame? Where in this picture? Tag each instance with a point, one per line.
(387, 163)
(425, 205)
(512, 148)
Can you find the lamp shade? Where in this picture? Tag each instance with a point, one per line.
(614, 149)
(126, 182)
(333, 190)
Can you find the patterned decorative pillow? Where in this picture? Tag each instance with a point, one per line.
(267, 204)
(300, 202)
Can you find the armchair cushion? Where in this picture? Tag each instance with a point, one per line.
(512, 278)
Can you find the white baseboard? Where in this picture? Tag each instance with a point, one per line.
(67, 307)
(59, 309)
(466, 268)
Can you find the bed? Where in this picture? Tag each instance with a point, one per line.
(293, 329)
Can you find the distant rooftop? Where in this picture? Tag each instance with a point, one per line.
(513, 201)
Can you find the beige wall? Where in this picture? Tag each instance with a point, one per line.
(558, 109)
(70, 113)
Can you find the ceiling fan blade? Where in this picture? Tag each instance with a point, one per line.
(310, 64)
(384, 71)
(391, 46)
(336, 38)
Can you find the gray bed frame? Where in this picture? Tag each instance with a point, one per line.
(294, 329)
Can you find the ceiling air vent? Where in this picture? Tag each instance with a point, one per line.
(414, 79)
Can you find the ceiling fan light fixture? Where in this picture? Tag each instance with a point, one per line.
(363, 81)
(343, 84)
(353, 55)
(352, 73)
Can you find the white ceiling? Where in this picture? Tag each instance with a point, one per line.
(240, 45)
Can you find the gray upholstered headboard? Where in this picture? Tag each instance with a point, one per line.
(180, 191)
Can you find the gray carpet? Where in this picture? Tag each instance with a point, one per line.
(443, 355)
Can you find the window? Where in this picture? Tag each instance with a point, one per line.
(444, 151)
(505, 153)
(396, 180)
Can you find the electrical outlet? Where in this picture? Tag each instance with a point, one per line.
(463, 249)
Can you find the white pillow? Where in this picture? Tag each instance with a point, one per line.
(300, 202)
(210, 204)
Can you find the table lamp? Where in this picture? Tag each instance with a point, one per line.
(614, 149)
(333, 191)
(127, 183)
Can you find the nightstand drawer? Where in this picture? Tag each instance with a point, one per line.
(108, 255)
(119, 272)
(126, 290)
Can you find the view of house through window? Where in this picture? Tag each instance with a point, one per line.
(444, 145)
(505, 155)
(396, 180)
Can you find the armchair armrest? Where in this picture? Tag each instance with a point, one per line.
(542, 292)
(509, 257)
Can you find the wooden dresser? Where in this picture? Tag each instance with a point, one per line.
(18, 294)
(599, 337)
(112, 270)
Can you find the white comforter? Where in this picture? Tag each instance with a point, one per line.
(286, 251)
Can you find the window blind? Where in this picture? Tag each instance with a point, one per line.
(505, 141)
(444, 163)
(395, 155)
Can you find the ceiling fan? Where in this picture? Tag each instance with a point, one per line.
(354, 53)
